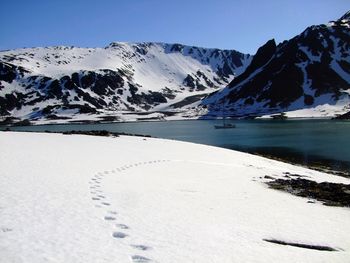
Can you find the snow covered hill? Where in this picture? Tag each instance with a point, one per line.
(59, 82)
(308, 75)
(74, 198)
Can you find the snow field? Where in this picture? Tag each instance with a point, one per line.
(73, 198)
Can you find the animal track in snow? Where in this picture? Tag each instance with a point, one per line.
(141, 247)
(113, 212)
(119, 235)
(110, 218)
(122, 226)
(5, 229)
(137, 258)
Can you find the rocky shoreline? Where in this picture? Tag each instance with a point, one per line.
(330, 194)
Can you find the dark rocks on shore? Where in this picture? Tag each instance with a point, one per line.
(345, 116)
(331, 194)
(12, 121)
(103, 133)
(281, 116)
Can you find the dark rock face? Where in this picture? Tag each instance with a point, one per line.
(15, 100)
(54, 90)
(146, 100)
(105, 84)
(189, 82)
(10, 102)
(194, 82)
(280, 89)
(177, 48)
(305, 67)
(9, 72)
(262, 56)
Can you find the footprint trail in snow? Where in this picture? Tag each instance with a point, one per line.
(100, 200)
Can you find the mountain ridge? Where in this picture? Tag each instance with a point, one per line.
(36, 83)
(307, 71)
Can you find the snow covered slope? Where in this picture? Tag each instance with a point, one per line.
(73, 198)
(58, 82)
(306, 72)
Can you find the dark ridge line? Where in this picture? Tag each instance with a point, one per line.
(300, 245)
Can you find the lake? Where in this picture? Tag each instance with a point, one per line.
(320, 142)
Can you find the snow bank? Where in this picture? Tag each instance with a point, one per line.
(75, 198)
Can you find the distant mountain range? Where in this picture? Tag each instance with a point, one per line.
(305, 76)
(62, 82)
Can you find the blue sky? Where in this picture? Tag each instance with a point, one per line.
(229, 24)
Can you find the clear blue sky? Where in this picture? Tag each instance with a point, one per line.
(230, 24)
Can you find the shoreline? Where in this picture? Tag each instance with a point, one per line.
(311, 165)
(83, 122)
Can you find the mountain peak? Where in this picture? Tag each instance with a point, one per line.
(346, 16)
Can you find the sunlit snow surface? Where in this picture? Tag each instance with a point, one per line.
(73, 198)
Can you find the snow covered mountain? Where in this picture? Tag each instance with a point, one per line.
(62, 82)
(306, 76)
(310, 72)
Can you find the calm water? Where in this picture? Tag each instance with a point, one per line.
(304, 141)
